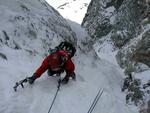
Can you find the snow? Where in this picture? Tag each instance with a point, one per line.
(143, 76)
(109, 11)
(105, 49)
(74, 97)
(73, 10)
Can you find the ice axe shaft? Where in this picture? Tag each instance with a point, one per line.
(20, 83)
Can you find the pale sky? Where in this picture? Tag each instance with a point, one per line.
(74, 10)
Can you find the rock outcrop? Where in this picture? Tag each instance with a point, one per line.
(125, 25)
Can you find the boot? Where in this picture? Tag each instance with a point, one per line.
(73, 76)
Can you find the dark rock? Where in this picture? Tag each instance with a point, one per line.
(148, 108)
(142, 52)
(95, 21)
(6, 35)
(3, 56)
(127, 27)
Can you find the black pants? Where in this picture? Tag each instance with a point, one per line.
(51, 73)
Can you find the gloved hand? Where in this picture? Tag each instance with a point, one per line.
(31, 79)
(65, 80)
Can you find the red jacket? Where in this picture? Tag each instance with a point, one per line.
(53, 62)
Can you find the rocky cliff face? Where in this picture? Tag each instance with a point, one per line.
(97, 20)
(25, 23)
(125, 25)
(123, 20)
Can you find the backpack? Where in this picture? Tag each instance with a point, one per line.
(64, 46)
(68, 47)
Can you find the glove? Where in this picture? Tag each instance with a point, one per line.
(65, 80)
(73, 76)
(31, 79)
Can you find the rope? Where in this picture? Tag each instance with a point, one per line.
(58, 87)
(99, 94)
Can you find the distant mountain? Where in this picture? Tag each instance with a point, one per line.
(71, 9)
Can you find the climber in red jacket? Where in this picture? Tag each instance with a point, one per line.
(56, 63)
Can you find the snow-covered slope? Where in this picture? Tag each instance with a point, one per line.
(28, 23)
(20, 60)
(71, 9)
(75, 97)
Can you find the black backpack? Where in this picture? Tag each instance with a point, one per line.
(68, 47)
